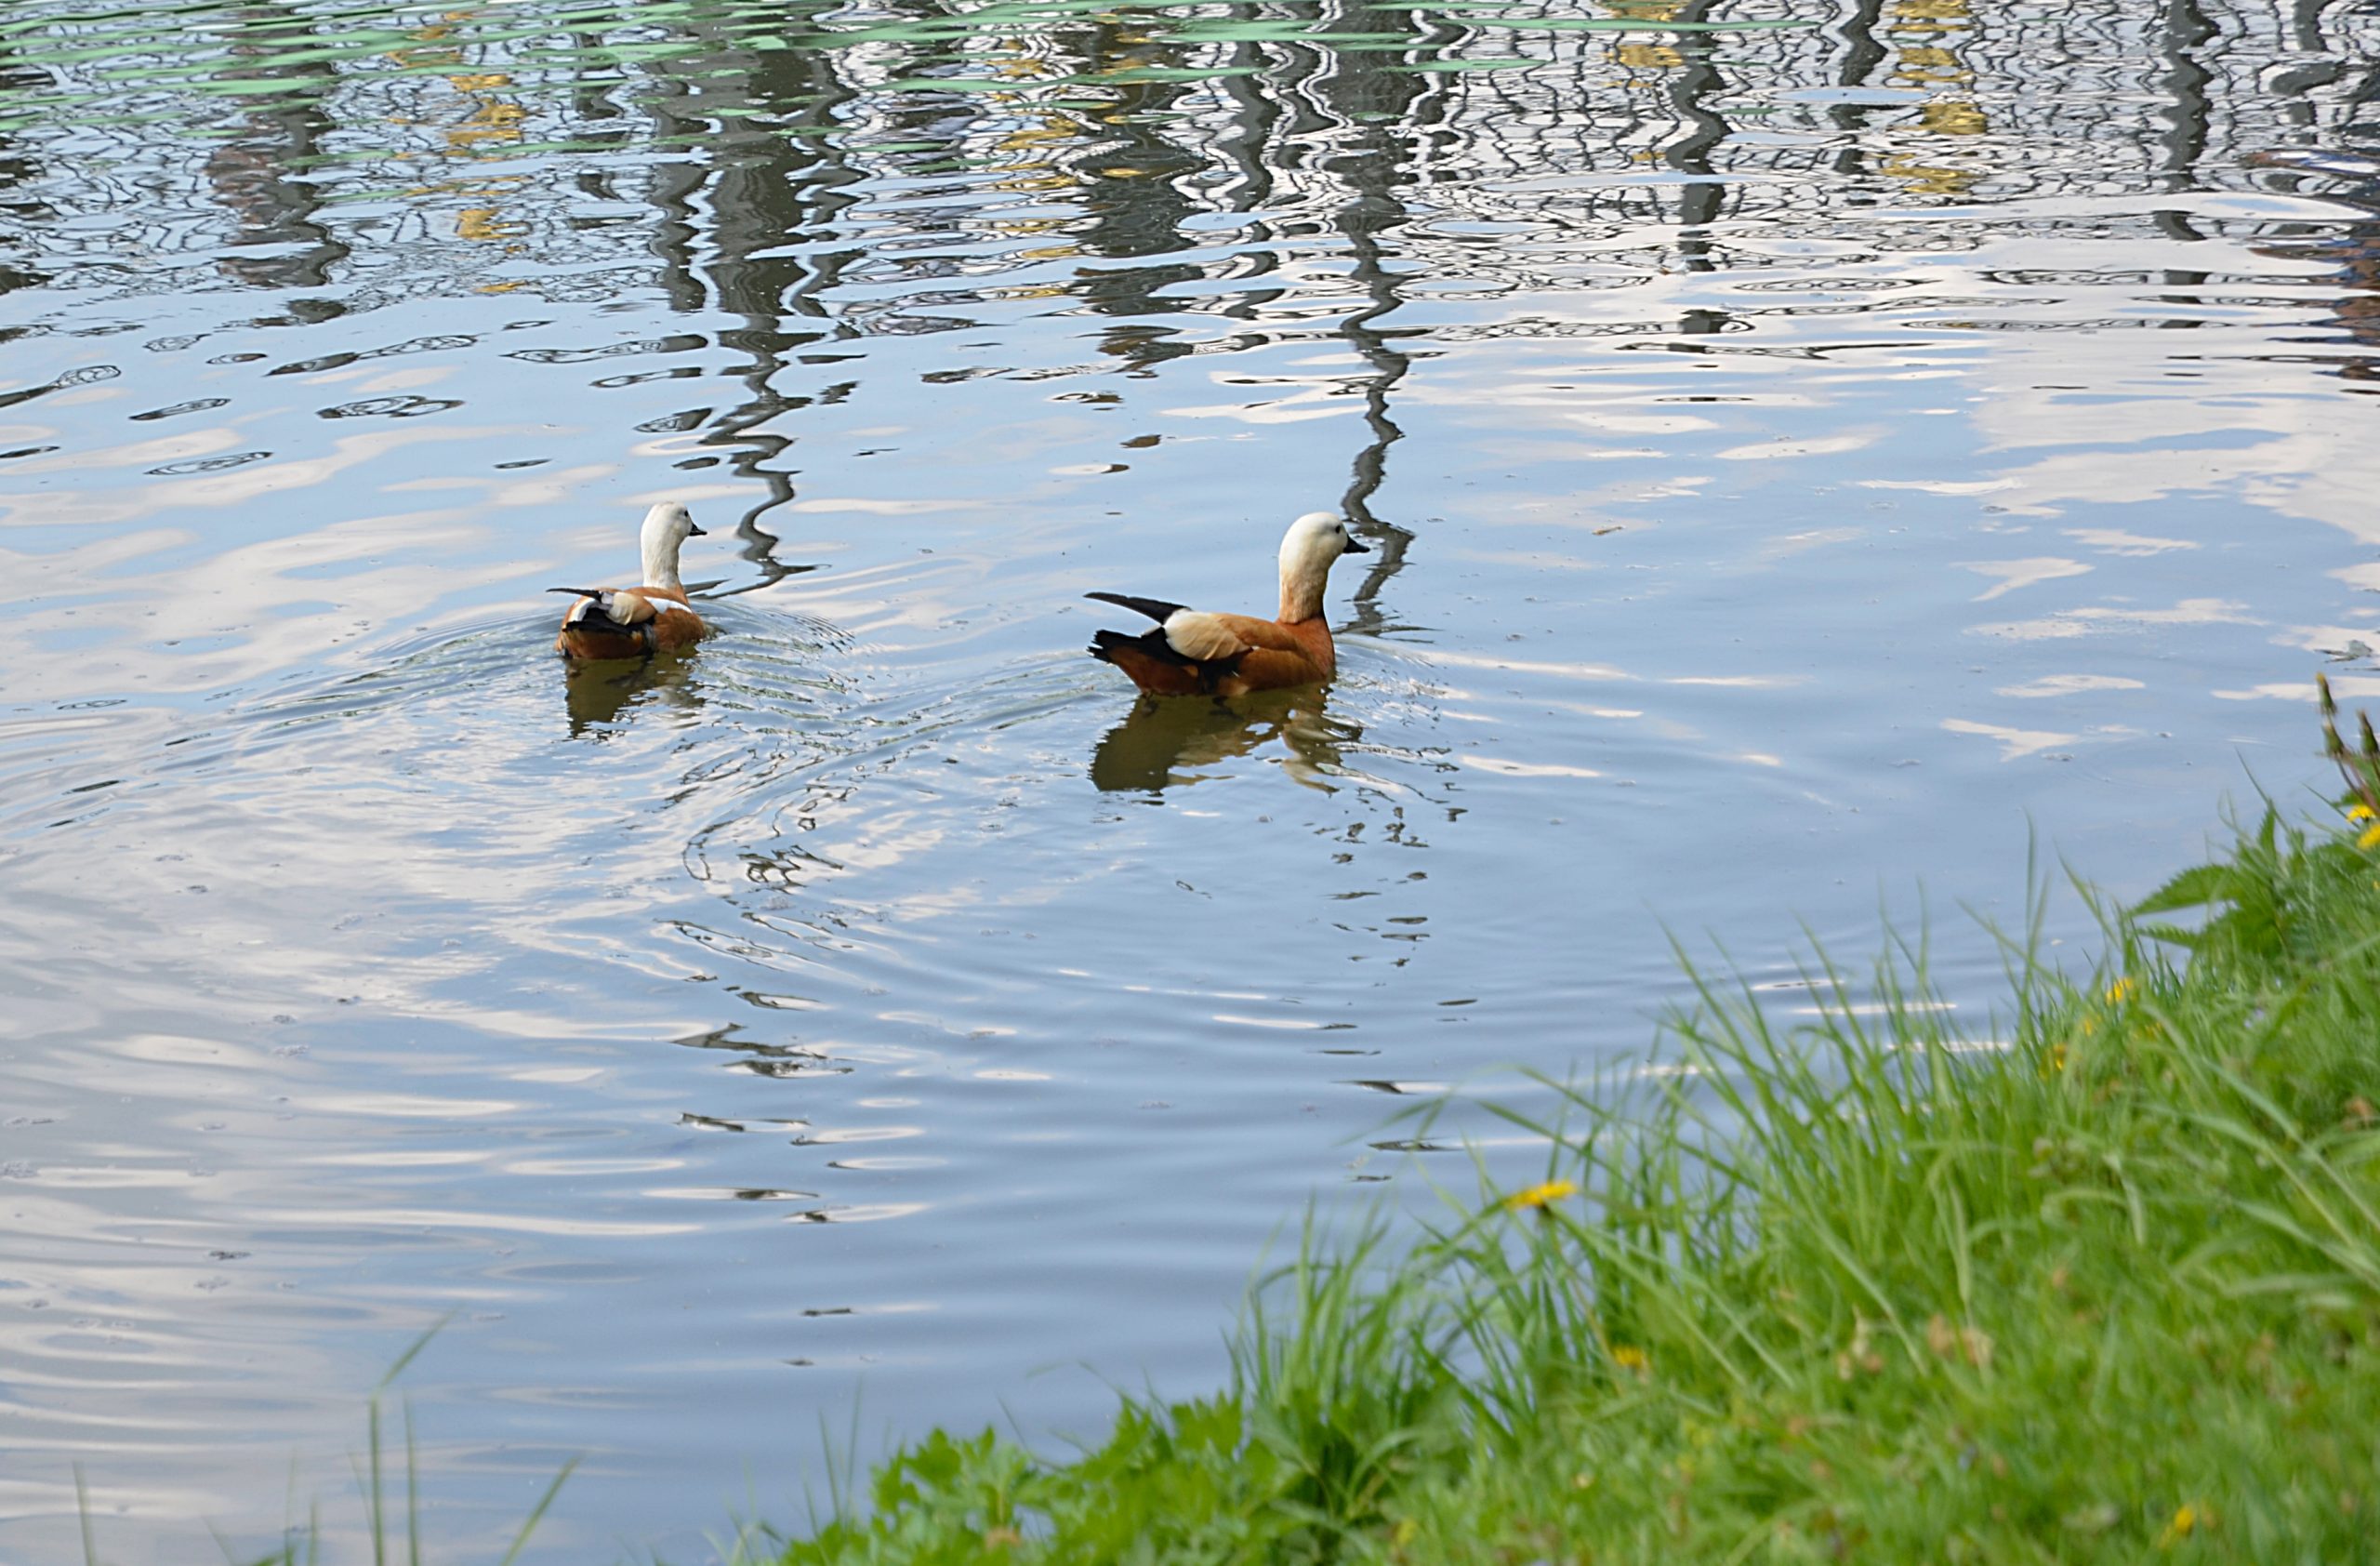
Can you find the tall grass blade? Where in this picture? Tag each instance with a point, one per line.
(82, 1516)
(537, 1514)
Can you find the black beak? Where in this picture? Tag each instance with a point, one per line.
(1355, 546)
(692, 532)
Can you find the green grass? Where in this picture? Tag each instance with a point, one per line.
(2105, 1286)
(301, 1544)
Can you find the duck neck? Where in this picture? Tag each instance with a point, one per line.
(1302, 595)
(661, 564)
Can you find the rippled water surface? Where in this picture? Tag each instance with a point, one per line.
(1808, 449)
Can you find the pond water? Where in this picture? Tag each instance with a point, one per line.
(1812, 451)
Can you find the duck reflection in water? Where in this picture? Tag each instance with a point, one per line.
(1168, 742)
(597, 691)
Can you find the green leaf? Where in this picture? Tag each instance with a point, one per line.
(2172, 935)
(2194, 887)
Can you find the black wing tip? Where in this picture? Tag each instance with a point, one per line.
(1157, 609)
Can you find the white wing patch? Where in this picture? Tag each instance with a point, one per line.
(625, 607)
(1194, 635)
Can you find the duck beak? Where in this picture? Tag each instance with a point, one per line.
(1355, 546)
(692, 532)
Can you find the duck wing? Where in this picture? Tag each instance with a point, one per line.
(621, 606)
(1212, 638)
(1262, 655)
(604, 609)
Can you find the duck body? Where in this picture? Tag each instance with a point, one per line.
(628, 622)
(1195, 652)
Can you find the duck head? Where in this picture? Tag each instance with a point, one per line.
(1313, 542)
(666, 527)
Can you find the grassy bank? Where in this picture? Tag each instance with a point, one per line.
(2105, 1286)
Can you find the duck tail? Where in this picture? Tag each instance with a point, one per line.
(1152, 663)
(1107, 645)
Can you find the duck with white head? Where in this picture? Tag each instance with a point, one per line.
(632, 622)
(1195, 652)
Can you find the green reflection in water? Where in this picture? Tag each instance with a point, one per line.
(67, 63)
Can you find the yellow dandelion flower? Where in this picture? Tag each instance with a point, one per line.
(1630, 1358)
(2056, 1061)
(2187, 1520)
(2359, 812)
(1539, 1195)
(2369, 838)
(2122, 991)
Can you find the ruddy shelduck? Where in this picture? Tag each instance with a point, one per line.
(631, 622)
(1192, 652)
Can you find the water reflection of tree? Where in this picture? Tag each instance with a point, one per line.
(1353, 129)
(765, 191)
(1384, 113)
(18, 171)
(1329, 135)
(2356, 251)
(1131, 193)
(1128, 178)
(1581, 106)
(253, 171)
(2186, 32)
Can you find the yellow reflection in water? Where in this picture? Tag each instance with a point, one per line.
(483, 223)
(1927, 179)
(1953, 118)
(1949, 117)
(1649, 57)
(1928, 15)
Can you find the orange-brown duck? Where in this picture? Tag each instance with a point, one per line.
(631, 622)
(1194, 652)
